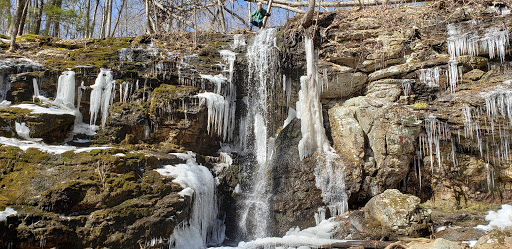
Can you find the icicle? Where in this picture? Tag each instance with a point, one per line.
(430, 76)
(36, 90)
(406, 87)
(453, 74)
(101, 96)
(497, 42)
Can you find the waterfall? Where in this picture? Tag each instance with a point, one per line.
(254, 138)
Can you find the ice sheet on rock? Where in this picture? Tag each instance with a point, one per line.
(24, 145)
(5, 103)
(291, 115)
(53, 110)
(500, 219)
(313, 237)
(52, 149)
(7, 212)
(89, 149)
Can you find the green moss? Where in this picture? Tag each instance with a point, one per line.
(420, 105)
(32, 38)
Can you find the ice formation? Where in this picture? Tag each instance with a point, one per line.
(329, 172)
(406, 86)
(238, 41)
(430, 76)
(22, 130)
(101, 96)
(198, 183)
(309, 108)
(495, 42)
(500, 219)
(313, 237)
(66, 90)
(221, 103)
(7, 212)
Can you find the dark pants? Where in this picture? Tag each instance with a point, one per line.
(256, 23)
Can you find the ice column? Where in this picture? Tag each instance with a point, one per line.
(309, 108)
(66, 90)
(329, 172)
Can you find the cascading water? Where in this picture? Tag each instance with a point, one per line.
(254, 132)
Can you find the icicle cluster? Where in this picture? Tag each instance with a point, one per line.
(430, 76)
(101, 96)
(494, 42)
(66, 90)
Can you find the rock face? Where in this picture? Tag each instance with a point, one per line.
(295, 198)
(392, 214)
(52, 128)
(378, 136)
(496, 239)
(76, 205)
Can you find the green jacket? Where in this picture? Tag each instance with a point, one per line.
(258, 15)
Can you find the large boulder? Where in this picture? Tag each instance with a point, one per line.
(392, 214)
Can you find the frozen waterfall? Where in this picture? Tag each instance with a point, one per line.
(198, 183)
(101, 96)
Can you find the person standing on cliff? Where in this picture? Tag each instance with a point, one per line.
(257, 17)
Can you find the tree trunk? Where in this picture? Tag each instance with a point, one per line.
(149, 27)
(39, 18)
(109, 18)
(123, 3)
(87, 19)
(23, 18)
(306, 19)
(221, 15)
(16, 19)
(268, 11)
(103, 20)
(94, 19)
(56, 20)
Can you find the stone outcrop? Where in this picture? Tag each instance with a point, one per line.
(377, 135)
(391, 215)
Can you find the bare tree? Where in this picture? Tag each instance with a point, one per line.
(16, 20)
